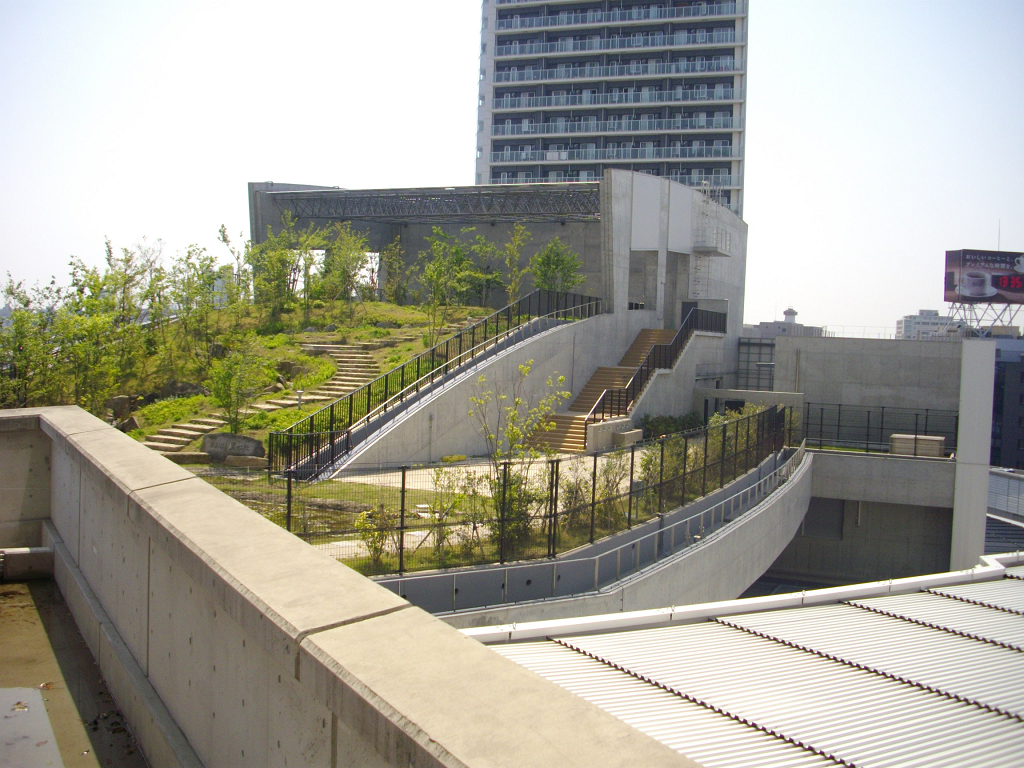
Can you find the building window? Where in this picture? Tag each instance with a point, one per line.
(479, 152)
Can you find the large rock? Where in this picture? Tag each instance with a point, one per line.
(121, 406)
(220, 445)
(181, 389)
(249, 462)
(128, 424)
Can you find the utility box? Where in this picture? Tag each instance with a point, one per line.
(917, 445)
(628, 437)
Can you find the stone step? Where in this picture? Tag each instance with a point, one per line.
(210, 422)
(265, 407)
(181, 432)
(165, 440)
(162, 447)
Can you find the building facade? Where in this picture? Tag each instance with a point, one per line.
(926, 324)
(568, 89)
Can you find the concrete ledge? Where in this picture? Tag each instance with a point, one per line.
(402, 662)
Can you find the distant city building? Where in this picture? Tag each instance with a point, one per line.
(927, 324)
(568, 91)
(1008, 405)
(787, 327)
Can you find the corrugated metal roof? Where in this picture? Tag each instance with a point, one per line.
(1004, 595)
(1015, 572)
(951, 615)
(927, 679)
(978, 672)
(849, 713)
(710, 738)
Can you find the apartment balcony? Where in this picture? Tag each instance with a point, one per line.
(596, 18)
(632, 153)
(632, 42)
(636, 96)
(712, 182)
(598, 72)
(619, 126)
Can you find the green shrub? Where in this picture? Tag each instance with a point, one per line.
(320, 370)
(275, 341)
(173, 409)
(656, 426)
(454, 458)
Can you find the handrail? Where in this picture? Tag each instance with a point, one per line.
(304, 441)
(616, 402)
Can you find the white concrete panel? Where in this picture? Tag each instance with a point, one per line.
(646, 212)
(680, 218)
(970, 500)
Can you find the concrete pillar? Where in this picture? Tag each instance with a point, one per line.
(663, 318)
(970, 496)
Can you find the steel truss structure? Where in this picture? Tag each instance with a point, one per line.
(513, 202)
(983, 318)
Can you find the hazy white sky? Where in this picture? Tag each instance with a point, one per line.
(879, 133)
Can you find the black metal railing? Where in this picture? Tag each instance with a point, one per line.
(869, 429)
(614, 403)
(473, 513)
(317, 441)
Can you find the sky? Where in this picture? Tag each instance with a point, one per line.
(879, 133)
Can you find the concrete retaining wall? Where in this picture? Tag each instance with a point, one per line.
(441, 425)
(227, 641)
(719, 569)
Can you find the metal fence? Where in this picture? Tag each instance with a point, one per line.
(474, 588)
(316, 442)
(471, 513)
(869, 429)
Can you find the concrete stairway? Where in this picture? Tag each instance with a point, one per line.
(355, 368)
(616, 377)
(570, 432)
(177, 436)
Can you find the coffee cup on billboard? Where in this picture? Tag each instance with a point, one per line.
(1018, 263)
(975, 284)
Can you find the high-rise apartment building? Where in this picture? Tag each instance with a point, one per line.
(571, 87)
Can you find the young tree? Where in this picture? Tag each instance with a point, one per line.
(237, 379)
(556, 267)
(344, 258)
(447, 275)
(396, 275)
(508, 420)
(512, 256)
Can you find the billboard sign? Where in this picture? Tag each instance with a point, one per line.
(984, 277)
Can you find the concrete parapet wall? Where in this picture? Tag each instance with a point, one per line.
(24, 481)
(870, 372)
(884, 478)
(228, 641)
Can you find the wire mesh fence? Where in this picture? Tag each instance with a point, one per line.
(475, 512)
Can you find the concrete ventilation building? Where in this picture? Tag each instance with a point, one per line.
(757, 349)
(568, 89)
